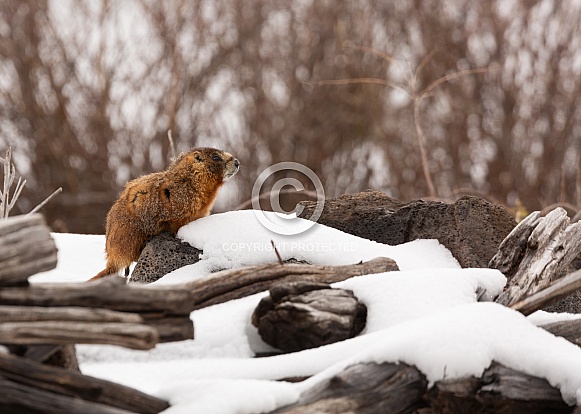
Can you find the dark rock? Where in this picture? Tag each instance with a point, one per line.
(471, 228)
(163, 254)
(309, 316)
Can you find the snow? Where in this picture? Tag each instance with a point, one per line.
(236, 239)
(425, 315)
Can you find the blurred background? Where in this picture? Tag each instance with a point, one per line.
(89, 89)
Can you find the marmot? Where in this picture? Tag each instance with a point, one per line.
(163, 201)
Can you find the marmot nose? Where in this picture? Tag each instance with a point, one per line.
(236, 162)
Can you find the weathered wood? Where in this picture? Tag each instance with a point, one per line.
(237, 283)
(31, 387)
(365, 389)
(69, 314)
(109, 293)
(170, 328)
(26, 248)
(500, 390)
(129, 335)
(512, 249)
(303, 315)
(23, 399)
(16, 223)
(556, 291)
(569, 330)
(552, 245)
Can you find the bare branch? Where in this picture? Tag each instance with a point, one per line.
(453, 76)
(364, 81)
(172, 147)
(46, 200)
(7, 202)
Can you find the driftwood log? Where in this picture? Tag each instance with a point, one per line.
(302, 315)
(537, 251)
(365, 389)
(166, 310)
(226, 285)
(30, 387)
(26, 248)
(499, 390)
(372, 388)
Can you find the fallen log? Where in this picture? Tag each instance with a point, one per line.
(372, 388)
(66, 314)
(540, 258)
(302, 315)
(165, 309)
(109, 293)
(569, 330)
(31, 387)
(237, 283)
(26, 248)
(365, 389)
(128, 335)
(500, 390)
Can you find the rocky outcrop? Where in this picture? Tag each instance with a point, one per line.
(471, 228)
(163, 254)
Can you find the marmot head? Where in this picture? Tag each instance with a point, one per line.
(213, 161)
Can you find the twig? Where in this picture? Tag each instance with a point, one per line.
(249, 202)
(277, 253)
(578, 181)
(6, 204)
(46, 200)
(172, 147)
(416, 97)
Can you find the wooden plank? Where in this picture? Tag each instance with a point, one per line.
(28, 385)
(129, 335)
(69, 314)
(237, 283)
(109, 293)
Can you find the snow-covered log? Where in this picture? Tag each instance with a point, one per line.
(365, 389)
(537, 251)
(26, 248)
(237, 283)
(499, 390)
(372, 388)
(31, 387)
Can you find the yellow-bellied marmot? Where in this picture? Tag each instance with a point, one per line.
(164, 201)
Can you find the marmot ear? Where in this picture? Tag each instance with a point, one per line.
(197, 156)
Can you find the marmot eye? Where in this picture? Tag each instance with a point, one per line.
(216, 158)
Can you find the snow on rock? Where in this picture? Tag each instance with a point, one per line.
(238, 238)
(425, 315)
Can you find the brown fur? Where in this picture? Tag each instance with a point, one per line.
(163, 201)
